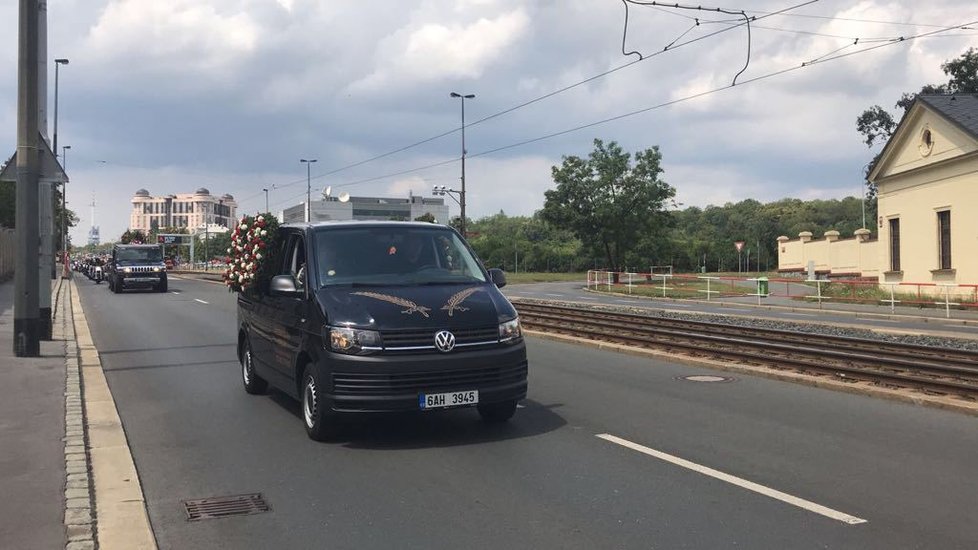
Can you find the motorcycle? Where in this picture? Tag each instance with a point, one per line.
(97, 275)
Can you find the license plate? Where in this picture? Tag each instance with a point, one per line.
(445, 400)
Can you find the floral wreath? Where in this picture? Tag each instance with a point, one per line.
(252, 241)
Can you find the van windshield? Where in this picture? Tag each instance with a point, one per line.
(394, 256)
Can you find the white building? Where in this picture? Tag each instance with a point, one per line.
(190, 210)
(369, 208)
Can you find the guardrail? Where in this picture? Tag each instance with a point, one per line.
(946, 296)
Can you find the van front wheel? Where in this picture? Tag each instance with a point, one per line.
(497, 412)
(319, 421)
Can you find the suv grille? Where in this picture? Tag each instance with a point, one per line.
(421, 341)
(140, 268)
(370, 384)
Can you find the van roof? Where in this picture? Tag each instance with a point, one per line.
(361, 223)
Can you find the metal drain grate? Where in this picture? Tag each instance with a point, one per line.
(221, 507)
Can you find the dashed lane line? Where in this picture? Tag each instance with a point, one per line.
(201, 301)
(734, 480)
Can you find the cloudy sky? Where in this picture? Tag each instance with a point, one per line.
(230, 94)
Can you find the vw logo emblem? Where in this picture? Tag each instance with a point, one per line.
(444, 341)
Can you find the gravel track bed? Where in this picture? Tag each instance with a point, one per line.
(809, 328)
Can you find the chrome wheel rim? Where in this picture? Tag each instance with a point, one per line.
(246, 367)
(309, 402)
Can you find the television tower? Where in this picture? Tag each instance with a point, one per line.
(93, 234)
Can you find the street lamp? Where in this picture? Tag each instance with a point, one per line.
(308, 163)
(57, 64)
(64, 203)
(265, 189)
(462, 193)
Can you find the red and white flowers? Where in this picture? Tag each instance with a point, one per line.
(251, 242)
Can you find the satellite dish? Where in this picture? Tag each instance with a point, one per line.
(344, 197)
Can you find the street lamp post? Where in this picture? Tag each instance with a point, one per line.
(308, 163)
(64, 204)
(266, 199)
(462, 194)
(57, 64)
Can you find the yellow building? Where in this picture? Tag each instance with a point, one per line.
(927, 182)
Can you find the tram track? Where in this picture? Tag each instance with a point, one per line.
(928, 369)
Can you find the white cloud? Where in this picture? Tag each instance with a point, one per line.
(176, 37)
(431, 51)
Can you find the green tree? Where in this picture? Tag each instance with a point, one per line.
(607, 202)
(426, 217)
(133, 236)
(877, 124)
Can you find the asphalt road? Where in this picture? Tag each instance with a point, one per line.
(546, 480)
(907, 319)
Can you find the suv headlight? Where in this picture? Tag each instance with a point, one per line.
(510, 331)
(127, 270)
(353, 341)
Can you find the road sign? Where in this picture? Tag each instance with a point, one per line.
(739, 245)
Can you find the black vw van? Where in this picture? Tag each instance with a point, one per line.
(360, 317)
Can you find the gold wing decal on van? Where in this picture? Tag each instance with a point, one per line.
(411, 306)
(455, 302)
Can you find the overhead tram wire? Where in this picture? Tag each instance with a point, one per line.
(816, 61)
(536, 99)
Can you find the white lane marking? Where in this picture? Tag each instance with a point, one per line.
(553, 294)
(733, 480)
(628, 301)
(879, 320)
(174, 292)
(736, 309)
(518, 406)
(587, 297)
(673, 305)
(801, 314)
(199, 300)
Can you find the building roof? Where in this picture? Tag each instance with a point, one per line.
(961, 109)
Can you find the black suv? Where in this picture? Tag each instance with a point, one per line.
(357, 317)
(137, 266)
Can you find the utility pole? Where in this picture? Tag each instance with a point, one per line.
(461, 205)
(45, 212)
(26, 313)
(266, 199)
(308, 163)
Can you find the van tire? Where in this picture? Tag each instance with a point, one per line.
(319, 421)
(253, 384)
(495, 413)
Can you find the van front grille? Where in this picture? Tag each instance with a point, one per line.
(374, 384)
(424, 340)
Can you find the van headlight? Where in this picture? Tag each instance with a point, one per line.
(510, 331)
(353, 341)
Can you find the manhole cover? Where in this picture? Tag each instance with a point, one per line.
(220, 507)
(705, 378)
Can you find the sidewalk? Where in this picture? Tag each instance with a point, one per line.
(32, 428)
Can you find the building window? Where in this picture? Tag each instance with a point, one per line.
(895, 244)
(944, 237)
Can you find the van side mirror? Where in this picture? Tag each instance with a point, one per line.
(498, 277)
(283, 285)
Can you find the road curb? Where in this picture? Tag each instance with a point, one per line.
(854, 387)
(117, 509)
